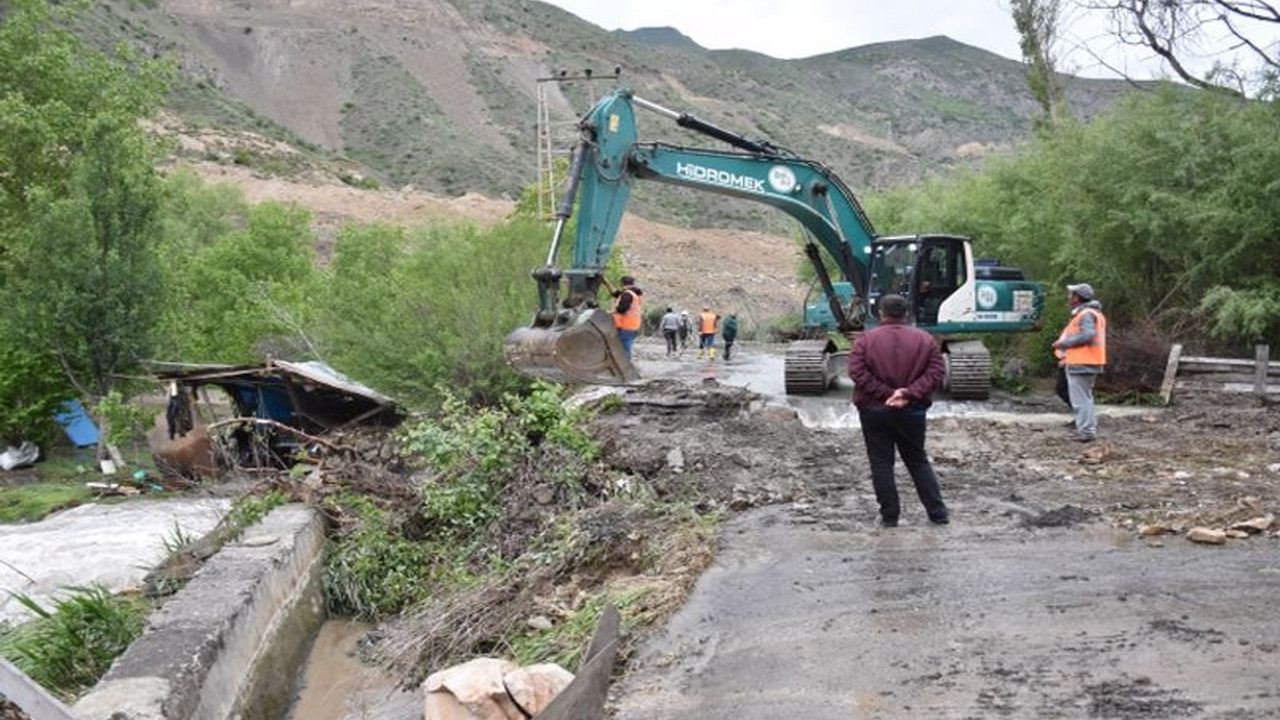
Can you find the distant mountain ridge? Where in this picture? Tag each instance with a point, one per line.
(443, 94)
(660, 37)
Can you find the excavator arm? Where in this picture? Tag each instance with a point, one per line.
(570, 338)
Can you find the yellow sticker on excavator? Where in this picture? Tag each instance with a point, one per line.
(613, 123)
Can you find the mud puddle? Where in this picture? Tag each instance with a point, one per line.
(335, 685)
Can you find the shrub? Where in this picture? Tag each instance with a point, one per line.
(67, 649)
(374, 572)
(1137, 354)
(474, 461)
(475, 451)
(249, 509)
(123, 421)
(32, 388)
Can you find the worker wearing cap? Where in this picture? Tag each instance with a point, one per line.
(1082, 351)
(626, 313)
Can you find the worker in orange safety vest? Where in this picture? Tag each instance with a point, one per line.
(707, 333)
(1082, 352)
(626, 313)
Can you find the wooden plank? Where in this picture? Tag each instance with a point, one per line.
(34, 700)
(1246, 370)
(1232, 362)
(1222, 386)
(1170, 372)
(1261, 356)
(1235, 378)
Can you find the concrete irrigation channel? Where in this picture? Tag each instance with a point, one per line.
(228, 644)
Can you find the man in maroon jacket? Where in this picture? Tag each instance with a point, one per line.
(895, 369)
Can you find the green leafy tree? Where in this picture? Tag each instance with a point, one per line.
(1037, 24)
(53, 91)
(1168, 206)
(408, 311)
(32, 388)
(78, 198)
(243, 288)
(195, 215)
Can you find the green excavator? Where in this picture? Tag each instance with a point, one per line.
(952, 296)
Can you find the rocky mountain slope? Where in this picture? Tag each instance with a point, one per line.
(443, 94)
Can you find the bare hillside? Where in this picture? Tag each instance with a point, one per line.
(443, 94)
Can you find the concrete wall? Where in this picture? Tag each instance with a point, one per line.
(228, 644)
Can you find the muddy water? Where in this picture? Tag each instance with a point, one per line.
(815, 613)
(759, 368)
(335, 685)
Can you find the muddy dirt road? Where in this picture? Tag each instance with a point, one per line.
(1049, 596)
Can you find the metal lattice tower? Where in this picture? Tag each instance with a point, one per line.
(551, 144)
(556, 138)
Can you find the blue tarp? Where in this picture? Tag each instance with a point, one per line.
(79, 428)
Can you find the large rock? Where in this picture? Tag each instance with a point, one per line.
(534, 687)
(473, 690)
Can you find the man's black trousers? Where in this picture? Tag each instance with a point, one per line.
(885, 431)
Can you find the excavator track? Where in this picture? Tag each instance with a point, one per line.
(968, 370)
(807, 368)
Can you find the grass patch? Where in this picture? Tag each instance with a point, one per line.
(59, 483)
(564, 643)
(374, 571)
(184, 553)
(68, 647)
(29, 503)
(249, 509)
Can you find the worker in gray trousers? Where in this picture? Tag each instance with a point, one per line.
(1082, 351)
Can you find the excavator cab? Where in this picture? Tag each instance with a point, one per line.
(925, 270)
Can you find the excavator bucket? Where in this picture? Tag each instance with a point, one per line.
(584, 349)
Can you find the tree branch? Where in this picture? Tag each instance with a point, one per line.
(66, 370)
(279, 426)
(1246, 42)
(1164, 46)
(1258, 10)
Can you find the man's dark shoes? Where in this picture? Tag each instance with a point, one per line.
(940, 520)
(888, 522)
(1085, 438)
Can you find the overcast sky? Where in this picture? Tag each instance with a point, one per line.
(803, 28)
